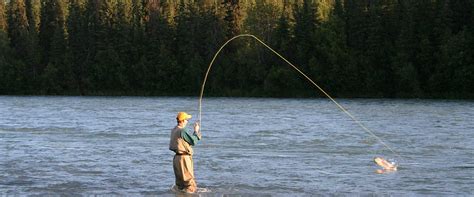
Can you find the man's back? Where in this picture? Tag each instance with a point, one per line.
(178, 144)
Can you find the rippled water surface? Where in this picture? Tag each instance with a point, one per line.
(279, 147)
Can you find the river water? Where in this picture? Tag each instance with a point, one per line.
(251, 146)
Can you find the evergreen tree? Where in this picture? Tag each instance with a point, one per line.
(126, 50)
(57, 75)
(256, 61)
(186, 22)
(227, 83)
(18, 27)
(356, 24)
(33, 53)
(50, 20)
(403, 60)
(198, 34)
(19, 36)
(455, 73)
(159, 60)
(87, 27)
(305, 26)
(232, 17)
(423, 61)
(77, 55)
(3, 19)
(281, 37)
(460, 14)
(106, 62)
(261, 20)
(378, 72)
(335, 71)
(138, 28)
(280, 78)
(306, 23)
(438, 80)
(5, 55)
(136, 49)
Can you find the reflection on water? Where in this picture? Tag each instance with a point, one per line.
(278, 147)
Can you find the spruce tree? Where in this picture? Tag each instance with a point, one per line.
(18, 28)
(232, 17)
(280, 79)
(33, 53)
(106, 62)
(5, 54)
(77, 53)
(3, 19)
(334, 71)
(257, 60)
(304, 29)
(57, 75)
(17, 70)
(158, 60)
(406, 74)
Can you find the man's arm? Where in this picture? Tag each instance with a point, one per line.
(191, 139)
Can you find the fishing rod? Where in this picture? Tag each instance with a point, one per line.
(299, 71)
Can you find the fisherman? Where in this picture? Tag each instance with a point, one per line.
(181, 142)
(386, 165)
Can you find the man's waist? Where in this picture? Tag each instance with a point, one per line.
(180, 152)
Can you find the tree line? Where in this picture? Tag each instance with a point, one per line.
(363, 48)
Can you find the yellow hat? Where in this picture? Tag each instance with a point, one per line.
(183, 116)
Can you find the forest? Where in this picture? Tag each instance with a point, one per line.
(352, 49)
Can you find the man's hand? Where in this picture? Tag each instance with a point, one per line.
(196, 127)
(196, 130)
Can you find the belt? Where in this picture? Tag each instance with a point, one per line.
(183, 154)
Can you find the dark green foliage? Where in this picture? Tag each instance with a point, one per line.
(32, 60)
(158, 57)
(363, 48)
(232, 17)
(5, 53)
(56, 73)
(18, 27)
(16, 72)
(78, 53)
(3, 19)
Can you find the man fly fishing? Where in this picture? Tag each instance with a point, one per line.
(181, 142)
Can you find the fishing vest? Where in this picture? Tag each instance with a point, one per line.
(178, 144)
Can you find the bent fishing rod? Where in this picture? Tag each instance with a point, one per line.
(299, 71)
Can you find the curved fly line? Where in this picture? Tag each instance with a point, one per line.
(299, 71)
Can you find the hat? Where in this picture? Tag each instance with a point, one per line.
(183, 116)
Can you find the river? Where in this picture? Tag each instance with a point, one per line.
(251, 146)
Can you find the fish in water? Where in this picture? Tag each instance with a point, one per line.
(386, 165)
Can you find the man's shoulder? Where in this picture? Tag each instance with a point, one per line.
(176, 128)
(179, 130)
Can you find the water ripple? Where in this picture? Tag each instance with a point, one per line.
(76, 146)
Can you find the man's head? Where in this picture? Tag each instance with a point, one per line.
(182, 118)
